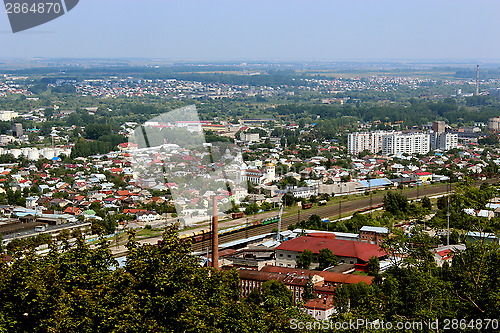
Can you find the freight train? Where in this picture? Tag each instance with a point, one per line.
(205, 234)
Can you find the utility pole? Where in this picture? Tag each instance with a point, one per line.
(246, 229)
(448, 212)
(418, 188)
(371, 195)
(340, 200)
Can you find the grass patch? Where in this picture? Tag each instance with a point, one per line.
(146, 233)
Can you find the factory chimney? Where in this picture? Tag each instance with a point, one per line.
(477, 80)
(215, 235)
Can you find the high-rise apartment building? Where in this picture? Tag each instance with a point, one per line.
(444, 141)
(412, 143)
(438, 126)
(17, 130)
(371, 141)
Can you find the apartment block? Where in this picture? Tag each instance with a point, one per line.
(371, 141)
(413, 143)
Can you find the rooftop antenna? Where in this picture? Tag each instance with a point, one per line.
(477, 80)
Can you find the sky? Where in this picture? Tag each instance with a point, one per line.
(270, 30)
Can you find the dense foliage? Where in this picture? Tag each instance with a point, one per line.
(160, 289)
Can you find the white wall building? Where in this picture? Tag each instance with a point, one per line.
(8, 115)
(304, 192)
(494, 124)
(249, 137)
(413, 143)
(444, 141)
(260, 176)
(371, 141)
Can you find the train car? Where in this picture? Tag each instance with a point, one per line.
(366, 209)
(237, 215)
(270, 220)
(199, 236)
(232, 229)
(256, 223)
(187, 235)
(307, 205)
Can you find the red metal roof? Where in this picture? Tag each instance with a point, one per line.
(342, 248)
(329, 277)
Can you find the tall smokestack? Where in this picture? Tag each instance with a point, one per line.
(477, 80)
(215, 235)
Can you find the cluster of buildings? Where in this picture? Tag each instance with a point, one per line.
(55, 203)
(373, 83)
(397, 142)
(171, 88)
(258, 264)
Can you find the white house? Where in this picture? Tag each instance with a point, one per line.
(147, 216)
(320, 308)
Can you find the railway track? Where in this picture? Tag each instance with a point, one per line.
(323, 211)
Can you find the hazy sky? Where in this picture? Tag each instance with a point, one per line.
(265, 30)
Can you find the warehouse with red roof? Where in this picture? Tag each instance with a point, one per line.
(350, 252)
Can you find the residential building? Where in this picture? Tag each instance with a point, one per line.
(494, 124)
(438, 126)
(320, 308)
(372, 235)
(412, 143)
(17, 130)
(251, 279)
(371, 141)
(8, 115)
(249, 137)
(444, 140)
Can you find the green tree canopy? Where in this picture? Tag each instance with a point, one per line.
(326, 258)
(305, 258)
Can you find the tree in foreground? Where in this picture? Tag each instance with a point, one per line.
(326, 258)
(373, 266)
(162, 288)
(305, 258)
